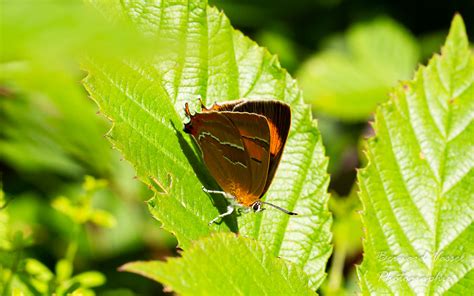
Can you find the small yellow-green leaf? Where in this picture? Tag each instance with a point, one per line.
(103, 218)
(91, 184)
(78, 213)
(82, 292)
(38, 270)
(90, 279)
(63, 270)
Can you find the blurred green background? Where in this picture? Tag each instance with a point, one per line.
(71, 204)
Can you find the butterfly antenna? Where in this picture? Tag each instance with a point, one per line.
(202, 103)
(186, 109)
(281, 209)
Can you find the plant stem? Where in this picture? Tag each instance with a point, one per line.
(13, 270)
(73, 244)
(337, 269)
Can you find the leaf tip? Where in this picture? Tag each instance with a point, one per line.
(457, 37)
(457, 22)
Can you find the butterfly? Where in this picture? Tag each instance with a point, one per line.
(242, 143)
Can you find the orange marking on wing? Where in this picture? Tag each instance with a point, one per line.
(275, 139)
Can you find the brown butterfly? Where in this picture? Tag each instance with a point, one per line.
(242, 143)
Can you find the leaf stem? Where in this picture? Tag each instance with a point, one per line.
(73, 245)
(337, 269)
(14, 268)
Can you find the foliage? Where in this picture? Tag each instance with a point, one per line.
(277, 42)
(28, 275)
(80, 210)
(347, 80)
(51, 137)
(417, 188)
(36, 124)
(347, 230)
(41, 98)
(211, 61)
(246, 265)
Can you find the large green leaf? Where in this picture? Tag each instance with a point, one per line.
(246, 267)
(48, 125)
(417, 190)
(347, 81)
(210, 60)
(37, 123)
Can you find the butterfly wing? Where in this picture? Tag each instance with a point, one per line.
(235, 162)
(255, 135)
(278, 115)
(225, 106)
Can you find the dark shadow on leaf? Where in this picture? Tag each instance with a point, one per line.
(205, 178)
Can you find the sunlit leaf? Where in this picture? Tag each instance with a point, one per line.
(103, 218)
(90, 279)
(417, 190)
(145, 100)
(38, 270)
(63, 270)
(247, 268)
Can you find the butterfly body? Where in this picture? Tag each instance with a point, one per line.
(242, 143)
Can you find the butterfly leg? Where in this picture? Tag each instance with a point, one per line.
(230, 209)
(230, 198)
(245, 210)
(214, 191)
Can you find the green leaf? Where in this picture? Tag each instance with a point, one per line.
(417, 190)
(91, 184)
(211, 60)
(79, 213)
(89, 279)
(38, 270)
(349, 80)
(103, 218)
(278, 42)
(47, 35)
(63, 270)
(347, 231)
(37, 123)
(247, 268)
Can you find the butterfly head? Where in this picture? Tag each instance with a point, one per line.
(257, 206)
(188, 126)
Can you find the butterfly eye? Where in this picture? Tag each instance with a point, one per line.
(256, 207)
